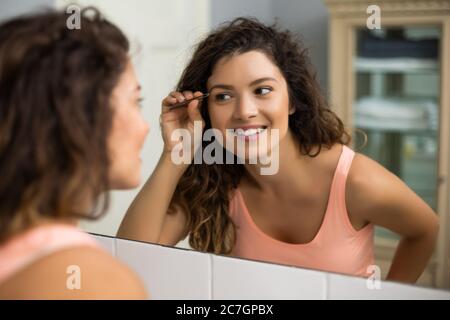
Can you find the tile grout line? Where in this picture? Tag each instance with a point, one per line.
(327, 286)
(211, 277)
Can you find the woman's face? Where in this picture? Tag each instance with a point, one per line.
(249, 95)
(128, 132)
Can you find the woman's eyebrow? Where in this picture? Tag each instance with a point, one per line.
(230, 87)
(262, 80)
(221, 86)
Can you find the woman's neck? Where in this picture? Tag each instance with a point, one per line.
(294, 170)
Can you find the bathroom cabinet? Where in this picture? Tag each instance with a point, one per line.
(390, 83)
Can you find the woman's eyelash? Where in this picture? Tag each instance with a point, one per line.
(264, 88)
(220, 96)
(140, 100)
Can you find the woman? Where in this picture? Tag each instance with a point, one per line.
(319, 209)
(70, 130)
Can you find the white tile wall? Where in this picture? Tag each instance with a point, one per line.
(345, 287)
(108, 243)
(168, 273)
(172, 273)
(243, 279)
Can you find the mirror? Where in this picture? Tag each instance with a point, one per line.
(397, 103)
(397, 106)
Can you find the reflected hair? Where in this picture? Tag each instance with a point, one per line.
(203, 192)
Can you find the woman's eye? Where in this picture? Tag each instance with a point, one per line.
(222, 97)
(263, 91)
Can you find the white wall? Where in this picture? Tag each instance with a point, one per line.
(222, 11)
(170, 273)
(11, 8)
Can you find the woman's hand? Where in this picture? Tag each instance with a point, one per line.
(146, 218)
(179, 118)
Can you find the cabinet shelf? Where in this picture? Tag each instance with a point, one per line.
(399, 114)
(396, 65)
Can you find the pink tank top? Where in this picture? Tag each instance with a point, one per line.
(337, 247)
(32, 245)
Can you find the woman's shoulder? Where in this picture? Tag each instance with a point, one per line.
(82, 272)
(367, 174)
(370, 188)
(43, 260)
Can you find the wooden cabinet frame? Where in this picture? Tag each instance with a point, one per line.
(345, 17)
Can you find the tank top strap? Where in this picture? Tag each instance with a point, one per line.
(34, 244)
(337, 195)
(344, 164)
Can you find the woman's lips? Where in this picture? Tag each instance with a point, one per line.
(249, 132)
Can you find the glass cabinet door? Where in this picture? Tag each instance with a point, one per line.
(396, 105)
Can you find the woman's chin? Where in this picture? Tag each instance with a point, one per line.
(252, 155)
(126, 185)
(126, 182)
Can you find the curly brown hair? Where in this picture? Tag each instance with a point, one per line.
(203, 191)
(55, 116)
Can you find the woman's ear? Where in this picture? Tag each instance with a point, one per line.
(291, 109)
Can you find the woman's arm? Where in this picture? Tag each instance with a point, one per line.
(146, 219)
(376, 195)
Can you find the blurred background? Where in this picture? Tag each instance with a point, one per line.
(391, 82)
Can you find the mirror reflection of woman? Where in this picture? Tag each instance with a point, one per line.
(70, 130)
(318, 211)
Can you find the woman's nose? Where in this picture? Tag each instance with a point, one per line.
(245, 108)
